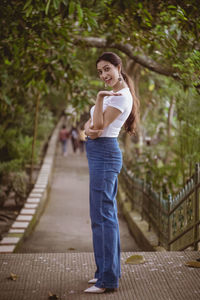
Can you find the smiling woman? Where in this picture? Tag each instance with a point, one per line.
(107, 71)
(111, 110)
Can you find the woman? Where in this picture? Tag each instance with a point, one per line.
(63, 136)
(112, 109)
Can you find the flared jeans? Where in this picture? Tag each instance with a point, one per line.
(105, 162)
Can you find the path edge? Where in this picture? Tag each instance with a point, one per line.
(146, 239)
(35, 203)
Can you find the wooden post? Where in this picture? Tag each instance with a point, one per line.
(34, 136)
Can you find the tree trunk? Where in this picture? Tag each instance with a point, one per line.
(169, 126)
(34, 136)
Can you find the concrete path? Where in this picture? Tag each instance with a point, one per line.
(65, 224)
(163, 276)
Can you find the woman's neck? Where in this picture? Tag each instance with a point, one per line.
(119, 86)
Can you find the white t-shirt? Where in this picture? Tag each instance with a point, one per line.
(124, 103)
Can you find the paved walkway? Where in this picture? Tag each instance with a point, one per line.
(65, 224)
(163, 276)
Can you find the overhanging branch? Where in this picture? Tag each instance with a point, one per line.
(128, 50)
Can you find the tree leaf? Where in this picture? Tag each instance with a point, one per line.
(13, 276)
(47, 7)
(27, 4)
(29, 10)
(7, 62)
(135, 260)
(71, 7)
(53, 296)
(80, 13)
(92, 22)
(7, 100)
(56, 3)
(193, 264)
(65, 2)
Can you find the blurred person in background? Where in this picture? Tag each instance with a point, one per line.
(82, 139)
(63, 137)
(74, 138)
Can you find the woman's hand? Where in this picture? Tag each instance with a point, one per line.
(90, 131)
(93, 133)
(102, 94)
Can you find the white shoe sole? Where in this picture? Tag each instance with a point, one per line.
(95, 290)
(94, 280)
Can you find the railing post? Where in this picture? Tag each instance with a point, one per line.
(143, 190)
(159, 220)
(196, 207)
(148, 187)
(149, 206)
(133, 193)
(169, 225)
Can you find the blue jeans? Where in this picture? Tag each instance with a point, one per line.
(105, 162)
(64, 146)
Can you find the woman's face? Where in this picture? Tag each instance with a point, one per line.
(108, 72)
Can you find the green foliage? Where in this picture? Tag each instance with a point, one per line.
(20, 186)
(16, 143)
(165, 31)
(16, 182)
(174, 145)
(37, 57)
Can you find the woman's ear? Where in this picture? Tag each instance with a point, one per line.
(119, 69)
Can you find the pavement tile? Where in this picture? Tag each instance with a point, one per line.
(44, 174)
(29, 205)
(42, 180)
(27, 211)
(33, 200)
(38, 190)
(7, 249)
(9, 240)
(35, 195)
(20, 225)
(40, 186)
(24, 218)
(16, 230)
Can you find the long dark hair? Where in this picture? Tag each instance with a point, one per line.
(133, 119)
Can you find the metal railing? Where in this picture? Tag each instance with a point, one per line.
(176, 220)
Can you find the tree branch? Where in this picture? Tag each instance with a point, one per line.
(128, 50)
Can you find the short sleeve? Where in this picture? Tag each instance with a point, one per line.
(119, 102)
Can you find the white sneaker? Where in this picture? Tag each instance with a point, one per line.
(94, 280)
(95, 290)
